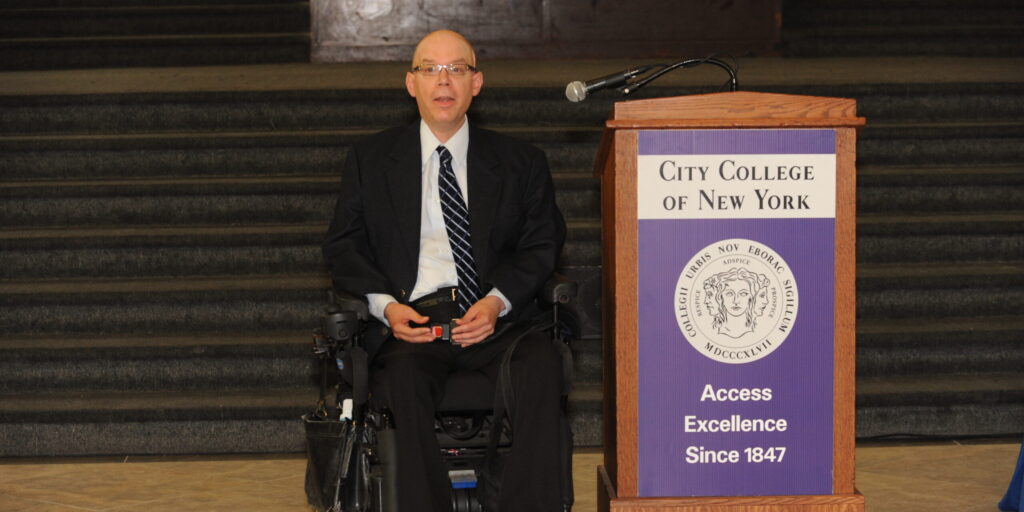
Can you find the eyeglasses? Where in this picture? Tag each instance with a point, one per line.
(453, 69)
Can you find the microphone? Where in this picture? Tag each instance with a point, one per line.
(577, 91)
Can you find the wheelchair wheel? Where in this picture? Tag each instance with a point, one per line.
(465, 500)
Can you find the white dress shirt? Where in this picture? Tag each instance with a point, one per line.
(436, 263)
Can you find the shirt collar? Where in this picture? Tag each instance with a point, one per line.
(458, 144)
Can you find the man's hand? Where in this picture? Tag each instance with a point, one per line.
(478, 322)
(399, 316)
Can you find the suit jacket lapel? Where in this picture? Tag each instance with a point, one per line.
(404, 181)
(484, 185)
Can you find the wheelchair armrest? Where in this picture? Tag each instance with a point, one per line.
(344, 317)
(559, 289)
(344, 302)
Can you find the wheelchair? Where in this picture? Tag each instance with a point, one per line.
(350, 439)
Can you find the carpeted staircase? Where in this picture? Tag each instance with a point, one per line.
(840, 28)
(160, 270)
(64, 34)
(940, 281)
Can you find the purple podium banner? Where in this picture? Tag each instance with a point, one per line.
(736, 243)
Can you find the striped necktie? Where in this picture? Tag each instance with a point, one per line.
(456, 222)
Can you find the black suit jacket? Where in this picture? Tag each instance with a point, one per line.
(372, 245)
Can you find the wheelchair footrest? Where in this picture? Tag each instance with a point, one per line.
(462, 478)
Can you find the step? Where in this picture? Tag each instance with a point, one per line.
(578, 194)
(279, 110)
(225, 252)
(968, 405)
(263, 257)
(81, 424)
(175, 155)
(214, 303)
(585, 415)
(953, 30)
(929, 303)
(1003, 43)
(588, 349)
(975, 143)
(155, 423)
(898, 16)
(940, 346)
(946, 223)
(936, 102)
(162, 250)
(974, 198)
(539, 106)
(228, 153)
(945, 129)
(939, 175)
(317, 151)
(161, 306)
(916, 282)
(149, 363)
(212, 201)
(170, 50)
(145, 20)
(206, 111)
(1004, 243)
(72, 424)
(924, 276)
(140, 251)
(228, 361)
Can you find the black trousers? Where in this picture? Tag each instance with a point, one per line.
(410, 379)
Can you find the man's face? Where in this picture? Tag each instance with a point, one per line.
(443, 99)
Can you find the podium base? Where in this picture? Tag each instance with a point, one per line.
(609, 501)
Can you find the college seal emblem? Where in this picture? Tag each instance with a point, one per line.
(736, 301)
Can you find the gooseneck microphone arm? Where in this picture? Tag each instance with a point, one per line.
(578, 91)
(733, 84)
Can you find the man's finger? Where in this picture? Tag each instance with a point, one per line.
(475, 338)
(469, 321)
(414, 335)
(475, 333)
(467, 327)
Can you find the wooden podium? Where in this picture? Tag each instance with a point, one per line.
(705, 128)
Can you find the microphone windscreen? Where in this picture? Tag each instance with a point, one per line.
(576, 91)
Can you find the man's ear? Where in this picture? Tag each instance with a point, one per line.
(410, 82)
(478, 82)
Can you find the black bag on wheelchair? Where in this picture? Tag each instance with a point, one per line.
(338, 468)
(326, 443)
(343, 473)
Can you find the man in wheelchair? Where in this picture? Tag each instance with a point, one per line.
(450, 231)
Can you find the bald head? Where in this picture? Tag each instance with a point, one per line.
(443, 97)
(447, 38)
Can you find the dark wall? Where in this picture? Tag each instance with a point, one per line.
(381, 30)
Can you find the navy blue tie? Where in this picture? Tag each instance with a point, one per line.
(456, 222)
